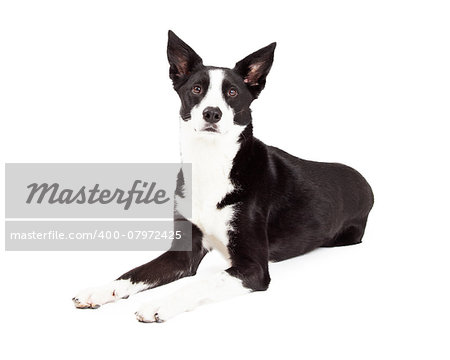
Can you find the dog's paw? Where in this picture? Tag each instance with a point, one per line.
(159, 311)
(148, 316)
(93, 298)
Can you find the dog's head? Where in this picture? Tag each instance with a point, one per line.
(215, 100)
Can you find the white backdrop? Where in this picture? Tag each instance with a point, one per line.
(363, 83)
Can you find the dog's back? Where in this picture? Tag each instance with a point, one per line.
(308, 204)
(327, 205)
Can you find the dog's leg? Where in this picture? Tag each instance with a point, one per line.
(214, 288)
(248, 273)
(168, 267)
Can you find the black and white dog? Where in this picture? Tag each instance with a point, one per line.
(252, 202)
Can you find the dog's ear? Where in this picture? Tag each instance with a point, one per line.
(255, 67)
(182, 59)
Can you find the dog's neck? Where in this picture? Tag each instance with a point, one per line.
(206, 149)
(212, 158)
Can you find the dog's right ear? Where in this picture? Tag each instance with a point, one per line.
(182, 59)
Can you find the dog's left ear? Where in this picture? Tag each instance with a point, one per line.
(255, 67)
(182, 59)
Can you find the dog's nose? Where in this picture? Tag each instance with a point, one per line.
(212, 114)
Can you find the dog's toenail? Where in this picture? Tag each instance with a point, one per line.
(157, 319)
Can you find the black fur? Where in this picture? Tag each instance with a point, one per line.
(285, 206)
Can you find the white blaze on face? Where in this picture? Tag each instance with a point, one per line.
(213, 98)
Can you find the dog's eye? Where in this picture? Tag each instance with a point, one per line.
(197, 89)
(232, 92)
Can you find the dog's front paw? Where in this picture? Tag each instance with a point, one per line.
(93, 298)
(159, 312)
(150, 313)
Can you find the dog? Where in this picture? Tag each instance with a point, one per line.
(252, 202)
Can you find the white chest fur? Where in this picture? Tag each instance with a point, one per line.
(211, 156)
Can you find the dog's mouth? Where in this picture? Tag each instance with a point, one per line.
(213, 128)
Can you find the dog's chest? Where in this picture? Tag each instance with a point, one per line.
(210, 184)
(211, 162)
